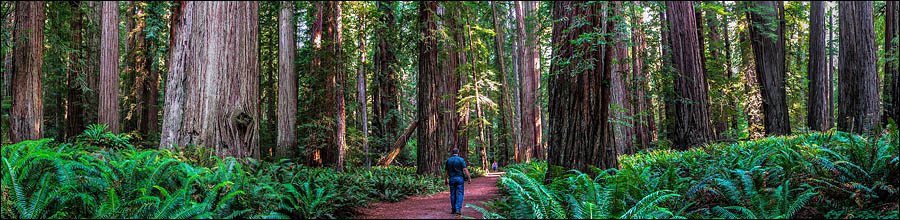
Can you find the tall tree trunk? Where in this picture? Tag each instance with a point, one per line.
(432, 133)
(732, 97)
(385, 97)
(531, 129)
(579, 96)
(333, 64)
(212, 88)
(645, 126)
(768, 42)
(620, 110)
(74, 123)
(692, 126)
(517, 83)
(26, 114)
(506, 115)
(891, 29)
(819, 86)
(287, 84)
(754, 101)
(457, 57)
(361, 92)
(109, 63)
(317, 134)
(860, 111)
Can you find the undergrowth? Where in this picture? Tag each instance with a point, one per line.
(817, 175)
(101, 175)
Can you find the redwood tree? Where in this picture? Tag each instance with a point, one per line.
(212, 89)
(620, 110)
(287, 84)
(74, 121)
(433, 139)
(692, 125)
(819, 100)
(891, 29)
(767, 40)
(109, 65)
(27, 112)
(579, 89)
(859, 110)
(529, 54)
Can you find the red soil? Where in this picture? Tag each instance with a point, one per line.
(436, 206)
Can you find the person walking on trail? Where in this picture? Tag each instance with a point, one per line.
(494, 165)
(456, 167)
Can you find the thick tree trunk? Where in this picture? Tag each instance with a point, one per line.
(334, 65)
(645, 126)
(819, 100)
(891, 29)
(26, 114)
(768, 42)
(579, 96)
(457, 57)
(287, 84)
(212, 88)
(860, 111)
(530, 147)
(8, 24)
(506, 114)
(109, 63)
(74, 123)
(385, 97)
(692, 126)
(620, 106)
(433, 136)
(318, 137)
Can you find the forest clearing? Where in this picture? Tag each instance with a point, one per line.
(450, 109)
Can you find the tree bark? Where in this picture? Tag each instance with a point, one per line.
(860, 111)
(692, 124)
(212, 88)
(819, 100)
(385, 97)
(27, 111)
(334, 64)
(753, 110)
(529, 63)
(769, 43)
(287, 84)
(620, 111)
(645, 126)
(579, 91)
(433, 136)
(891, 29)
(74, 123)
(109, 63)
(457, 57)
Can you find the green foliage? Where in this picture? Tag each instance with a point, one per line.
(816, 175)
(100, 175)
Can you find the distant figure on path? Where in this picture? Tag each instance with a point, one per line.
(494, 166)
(456, 167)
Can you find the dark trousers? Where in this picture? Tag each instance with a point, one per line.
(456, 193)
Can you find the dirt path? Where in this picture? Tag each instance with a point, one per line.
(435, 206)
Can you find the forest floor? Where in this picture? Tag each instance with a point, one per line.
(436, 206)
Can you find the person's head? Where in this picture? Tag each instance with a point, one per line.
(455, 151)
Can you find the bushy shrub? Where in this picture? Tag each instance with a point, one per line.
(803, 176)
